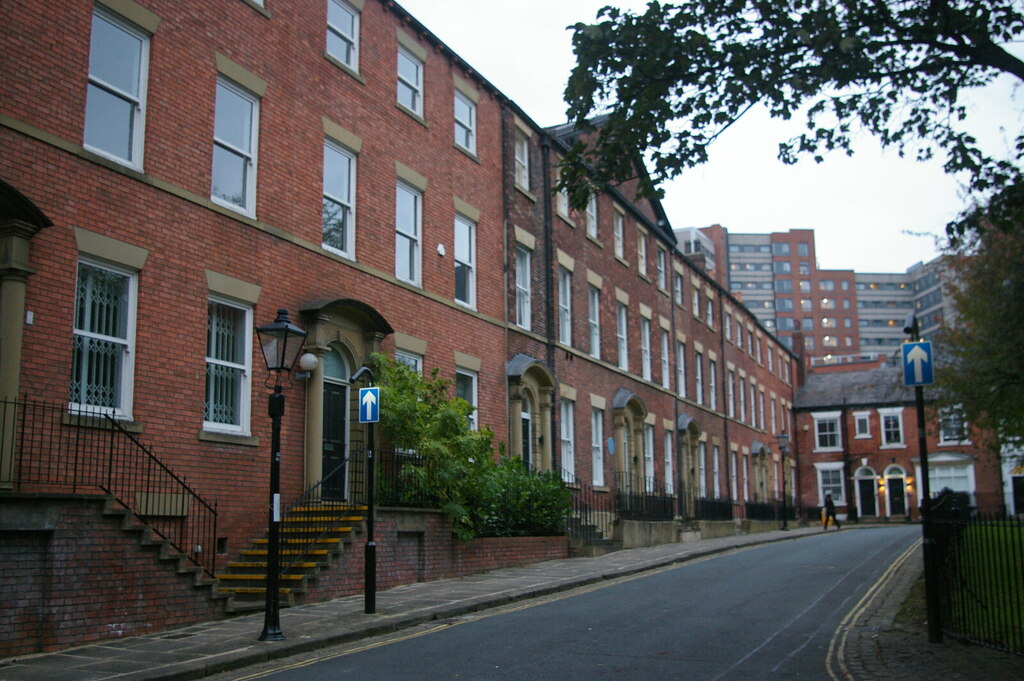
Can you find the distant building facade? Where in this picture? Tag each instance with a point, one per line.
(845, 317)
(856, 438)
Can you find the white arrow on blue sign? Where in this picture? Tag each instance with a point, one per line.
(369, 405)
(918, 366)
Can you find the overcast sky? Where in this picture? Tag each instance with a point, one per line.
(873, 212)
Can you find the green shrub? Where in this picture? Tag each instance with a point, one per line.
(459, 472)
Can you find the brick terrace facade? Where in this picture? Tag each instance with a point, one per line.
(204, 213)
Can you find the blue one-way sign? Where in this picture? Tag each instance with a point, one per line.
(369, 405)
(918, 366)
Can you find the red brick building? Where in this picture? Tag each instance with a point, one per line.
(630, 368)
(168, 183)
(857, 439)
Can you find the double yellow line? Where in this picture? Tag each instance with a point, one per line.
(835, 662)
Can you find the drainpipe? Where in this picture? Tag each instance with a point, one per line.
(549, 289)
(676, 454)
(725, 374)
(851, 507)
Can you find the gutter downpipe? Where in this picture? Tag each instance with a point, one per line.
(549, 275)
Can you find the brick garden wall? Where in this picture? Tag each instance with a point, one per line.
(70, 575)
(78, 577)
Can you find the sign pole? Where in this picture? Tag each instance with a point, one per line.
(369, 413)
(918, 370)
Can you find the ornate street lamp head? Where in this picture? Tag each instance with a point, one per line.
(281, 342)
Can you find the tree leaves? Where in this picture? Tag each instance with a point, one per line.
(664, 84)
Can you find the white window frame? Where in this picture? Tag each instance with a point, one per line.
(524, 288)
(334, 152)
(677, 288)
(249, 156)
(465, 259)
(716, 456)
(350, 41)
(594, 320)
(411, 89)
(564, 306)
(619, 234)
(661, 263)
(522, 160)
(670, 482)
(648, 458)
(892, 415)
(410, 359)
(713, 384)
(698, 376)
(136, 100)
(836, 489)
(122, 408)
(760, 409)
(702, 466)
(861, 425)
(591, 216)
(408, 238)
(956, 415)
(465, 127)
(666, 368)
(567, 429)
(730, 393)
(597, 446)
(822, 420)
(645, 348)
(622, 335)
(743, 399)
(244, 387)
(681, 368)
(641, 253)
(473, 386)
(734, 477)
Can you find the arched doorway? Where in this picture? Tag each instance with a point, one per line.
(531, 390)
(342, 333)
(629, 414)
(895, 491)
(689, 464)
(867, 500)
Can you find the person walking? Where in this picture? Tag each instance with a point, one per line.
(830, 512)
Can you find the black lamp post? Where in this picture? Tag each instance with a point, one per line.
(783, 441)
(281, 342)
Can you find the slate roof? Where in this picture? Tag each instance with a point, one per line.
(870, 388)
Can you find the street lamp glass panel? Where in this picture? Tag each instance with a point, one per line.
(281, 342)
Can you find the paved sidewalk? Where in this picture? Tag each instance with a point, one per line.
(879, 647)
(211, 647)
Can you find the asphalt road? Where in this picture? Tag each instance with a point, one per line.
(768, 612)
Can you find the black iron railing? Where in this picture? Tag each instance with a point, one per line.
(50, 447)
(980, 561)
(714, 509)
(770, 510)
(593, 511)
(642, 498)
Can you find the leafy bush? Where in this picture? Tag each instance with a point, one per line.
(459, 472)
(516, 502)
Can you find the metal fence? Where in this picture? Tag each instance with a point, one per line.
(642, 498)
(714, 508)
(980, 565)
(49, 447)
